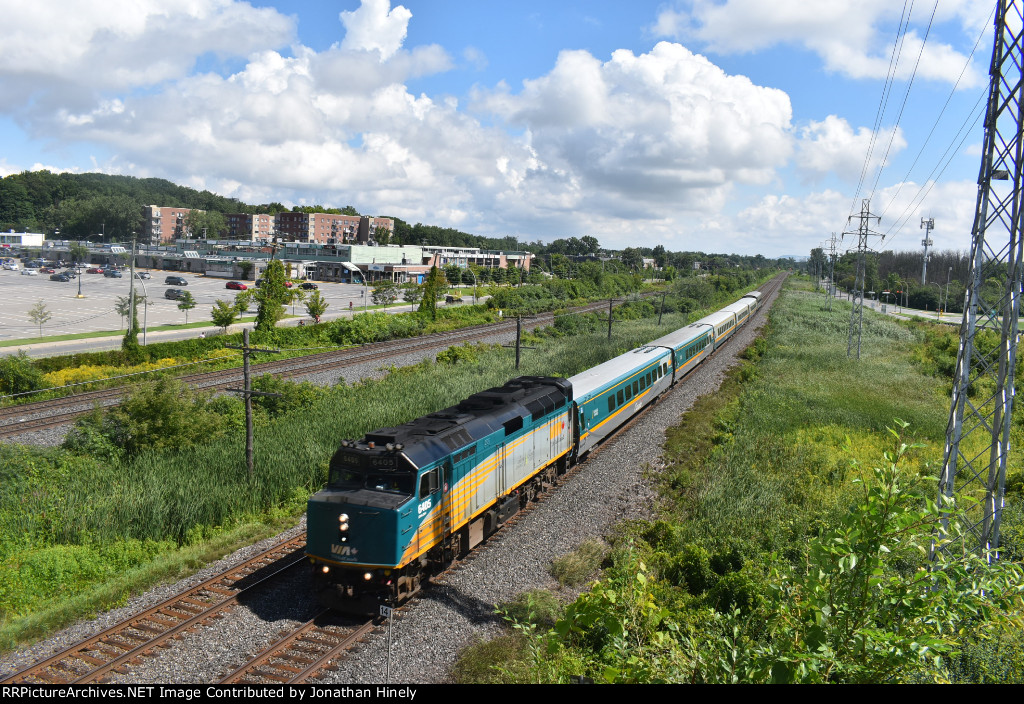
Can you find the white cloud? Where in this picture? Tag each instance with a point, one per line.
(67, 54)
(376, 26)
(795, 224)
(639, 129)
(832, 146)
(853, 37)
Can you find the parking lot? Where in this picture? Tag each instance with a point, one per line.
(95, 312)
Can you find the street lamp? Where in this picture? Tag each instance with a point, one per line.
(948, 274)
(938, 286)
(474, 283)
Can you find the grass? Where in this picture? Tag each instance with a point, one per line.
(577, 566)
(115, 333)
(753, 472)
(56, 500)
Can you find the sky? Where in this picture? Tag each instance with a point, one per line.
(731, 126)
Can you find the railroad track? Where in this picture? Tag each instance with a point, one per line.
(127, 642)
(304, 653)
(52, 413)
(295, 657)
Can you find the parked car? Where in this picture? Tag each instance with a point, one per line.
(173, 294)
(143, 275)
(236, 285)
(30, 272)
(176, 281)
(63, 276)
(11, 266)
(94, 270)
(308, 286)
(47, 270)
(113, 274)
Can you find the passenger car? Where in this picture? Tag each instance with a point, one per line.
(63, 276)
(113, 274)
(308, 286)
(236, 286)
(174, 294)
(402, 503)
(176, 281)
(143, 275)
(94, 270)
(30, 272)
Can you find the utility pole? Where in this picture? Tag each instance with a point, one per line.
(248, 393)
(928, 224)
(610, 301)
(519, 339)
(862, 232)
(978, 433)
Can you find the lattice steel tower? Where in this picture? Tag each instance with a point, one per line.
(857, 312)
(978, 434)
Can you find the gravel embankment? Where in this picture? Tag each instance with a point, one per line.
(610, 487)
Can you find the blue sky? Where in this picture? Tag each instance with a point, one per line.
(714, 125)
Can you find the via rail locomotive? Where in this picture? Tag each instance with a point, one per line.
(403, 502)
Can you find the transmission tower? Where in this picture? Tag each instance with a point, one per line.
(978, 433)
(862, 232)
(928, 224)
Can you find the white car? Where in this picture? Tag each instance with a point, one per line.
(11, 266)
(30, 272)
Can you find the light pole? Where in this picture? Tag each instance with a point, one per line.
(946, 300)
(474, 283)
(938, 286)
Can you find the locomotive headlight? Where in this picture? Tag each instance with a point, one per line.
(343, 518)
(343, 527)
(368, 576)
(325, 569)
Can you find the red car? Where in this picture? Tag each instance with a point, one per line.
(236, 285)
(94, 270)
(47, 270)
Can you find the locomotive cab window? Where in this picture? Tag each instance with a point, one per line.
(429, 483)
(513, 425)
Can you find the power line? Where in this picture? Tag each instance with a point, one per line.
(906, 95)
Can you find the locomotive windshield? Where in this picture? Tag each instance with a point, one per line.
(351, 471)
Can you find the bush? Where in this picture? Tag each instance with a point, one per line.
(19, 374)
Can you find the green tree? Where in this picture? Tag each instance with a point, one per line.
(186, 303)
(385, 293)
(78, 252)
(243, 301)
(245, 267)
(433, 289)
(123, 305)
(223, 314)
(271, 297)
(39, 315)
(296, 295)
(412, 293)
(205, 224)
(316, 306)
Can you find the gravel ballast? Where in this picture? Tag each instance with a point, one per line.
(612, 485)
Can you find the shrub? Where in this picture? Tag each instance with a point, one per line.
(18, 374)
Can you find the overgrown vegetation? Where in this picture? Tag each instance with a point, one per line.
(781, 558)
